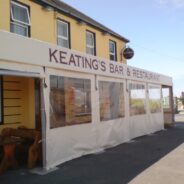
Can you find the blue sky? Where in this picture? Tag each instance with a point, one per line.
(155, 29)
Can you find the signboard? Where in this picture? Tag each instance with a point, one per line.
(93, 64)
(15, 48)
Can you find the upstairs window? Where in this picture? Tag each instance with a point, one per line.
(20, 19)
(90, 43)
(63, 34)
(112, 51)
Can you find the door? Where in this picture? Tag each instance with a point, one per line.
(168, 106)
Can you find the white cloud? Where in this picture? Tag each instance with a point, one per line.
(178, 3)
(162, 2)
(173, 3)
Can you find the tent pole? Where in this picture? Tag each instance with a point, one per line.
(43, 120)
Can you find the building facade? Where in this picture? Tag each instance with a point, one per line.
(57, 23)
(63, 74)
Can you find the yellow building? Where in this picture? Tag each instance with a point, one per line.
(64, 75)
(57, 23)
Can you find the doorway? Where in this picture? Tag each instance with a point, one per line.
(168, 106)
(21, 115)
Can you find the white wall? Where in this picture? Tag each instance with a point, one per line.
(69, 142)
(65, 143)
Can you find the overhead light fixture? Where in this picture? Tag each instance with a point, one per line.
(48, 8)
(81, 22)
(105, 33)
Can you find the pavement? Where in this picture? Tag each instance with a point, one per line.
(170, 170)
(152, 159)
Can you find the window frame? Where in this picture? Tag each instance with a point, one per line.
(24, 7)
(117, 81)
(137, 83)
(151, 87)
(14, 21)
(78, 115)
(21, 25)
(61, 36)
(115, 51)
(166, 107)
(94, 43)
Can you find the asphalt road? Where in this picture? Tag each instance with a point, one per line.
(118, 165)
(179, 117)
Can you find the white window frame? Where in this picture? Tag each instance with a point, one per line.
(14, 19)
(104, 79)
(61, 36)
(21, 25)
(90, 46)
(74, 76)
(113, 53)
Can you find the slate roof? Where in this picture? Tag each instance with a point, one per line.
(66, 9)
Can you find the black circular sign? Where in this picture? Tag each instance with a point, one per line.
(128, 53)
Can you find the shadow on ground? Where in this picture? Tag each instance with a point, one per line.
(117, 165)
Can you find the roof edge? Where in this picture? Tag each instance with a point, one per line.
(60, 9)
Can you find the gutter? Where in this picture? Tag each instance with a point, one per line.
(66, 12)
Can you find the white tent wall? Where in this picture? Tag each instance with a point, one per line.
(147, 123)
(66, 143)
(70, 141)
(155, 120)
(116, 131)
(22, 69)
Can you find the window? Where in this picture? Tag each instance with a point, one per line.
(70, 101)
(90, 43)
(112, 51)
(137, 94)
(154, 99)
(20, 19)
(166, 98)
(111, 97)
(63, 34)
(1, 101)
